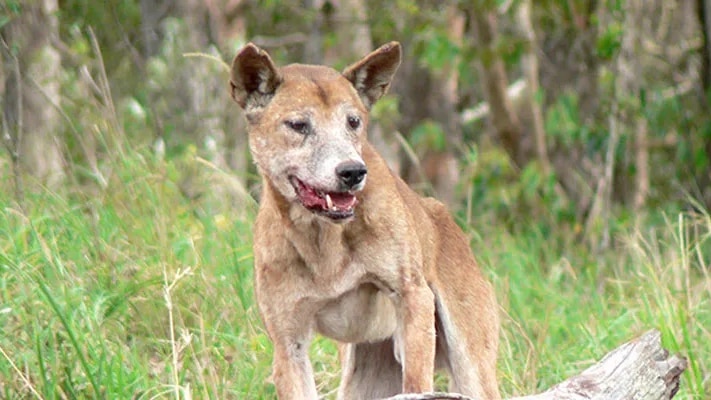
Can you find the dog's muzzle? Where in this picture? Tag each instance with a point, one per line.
(334, 205)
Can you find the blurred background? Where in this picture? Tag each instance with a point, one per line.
(571, 139)
(572, 109)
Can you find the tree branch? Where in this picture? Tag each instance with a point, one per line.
(640, 369)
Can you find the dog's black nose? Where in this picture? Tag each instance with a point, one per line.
(351, 173)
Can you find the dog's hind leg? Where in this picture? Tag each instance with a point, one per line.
(369, 371)
(469, 353)
(466, 311)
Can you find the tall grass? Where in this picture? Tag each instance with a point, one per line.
(126, 293)
(129, 293)
(566, 309)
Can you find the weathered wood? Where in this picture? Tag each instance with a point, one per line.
(639, 370)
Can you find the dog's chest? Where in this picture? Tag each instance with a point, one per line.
(354, 300)
(364, 314)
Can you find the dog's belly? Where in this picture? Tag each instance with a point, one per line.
(364, 314)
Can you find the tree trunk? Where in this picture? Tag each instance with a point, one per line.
(704, 11)
(641, 144)
(441, 165)
(228, 29)
(31, 97)
(493, 72)
(640, 370)
(623, 117)
(431, 95)
(313, 49)
(347, 21)
(530, 68)
(189, 96)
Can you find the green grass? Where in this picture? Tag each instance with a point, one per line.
(130, 292)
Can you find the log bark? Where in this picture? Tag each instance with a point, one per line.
(640, 370)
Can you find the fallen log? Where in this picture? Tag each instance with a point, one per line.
(640, 370)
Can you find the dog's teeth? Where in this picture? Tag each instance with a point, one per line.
(329, 202)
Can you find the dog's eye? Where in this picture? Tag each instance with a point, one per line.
(353, 122)
(302, 127)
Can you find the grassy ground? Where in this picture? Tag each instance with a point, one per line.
(131, 293)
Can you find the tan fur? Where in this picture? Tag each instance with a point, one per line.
(392, 277)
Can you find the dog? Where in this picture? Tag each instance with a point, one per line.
(344, 248)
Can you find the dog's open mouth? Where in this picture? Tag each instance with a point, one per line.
(335, 205)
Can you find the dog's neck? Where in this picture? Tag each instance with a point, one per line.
(320, 243)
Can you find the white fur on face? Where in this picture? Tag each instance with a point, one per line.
(313, 157)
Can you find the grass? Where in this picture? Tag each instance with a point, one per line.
(130, 292)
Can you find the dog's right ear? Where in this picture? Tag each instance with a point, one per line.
(254, 77)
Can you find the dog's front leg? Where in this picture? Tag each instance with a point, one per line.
(291, 371)
(417, 332)
(292, 374)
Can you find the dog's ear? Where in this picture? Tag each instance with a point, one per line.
(254, 77)
(372, 75)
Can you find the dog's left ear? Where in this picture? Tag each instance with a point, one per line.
(372, 75)
(254, 77)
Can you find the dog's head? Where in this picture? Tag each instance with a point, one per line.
(307, 124)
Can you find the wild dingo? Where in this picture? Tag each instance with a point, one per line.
(344, 247)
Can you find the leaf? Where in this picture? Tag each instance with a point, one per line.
(429, 135)
(531, 180)
(609, 41)
(4, 20)
(437, 51)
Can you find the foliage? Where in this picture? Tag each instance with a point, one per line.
(428, 135)
(608, 42)
(116, 23)
(8, 11)
(497, 192)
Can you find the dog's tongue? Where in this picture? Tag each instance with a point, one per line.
(342, 200)
(309, 197)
